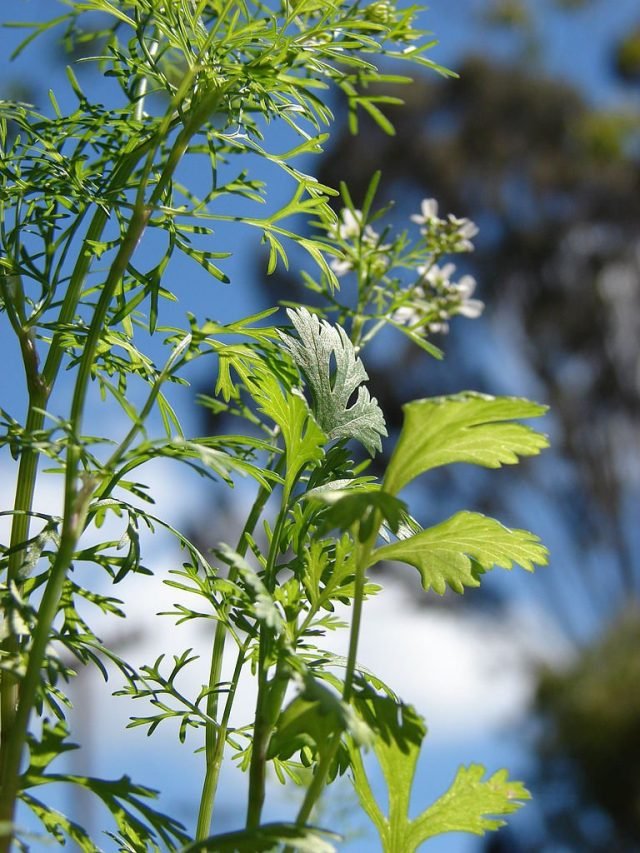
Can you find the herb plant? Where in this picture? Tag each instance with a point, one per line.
(203, 83)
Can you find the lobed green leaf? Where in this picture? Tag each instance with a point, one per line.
(467, 427)
(330, 364)
(457, 551)
(472, 804)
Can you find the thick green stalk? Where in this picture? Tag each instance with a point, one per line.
(9, 684)
(268, 705)
(76, 504)
(214, 748)
(29, 686)
(40, 385)
(14, 302)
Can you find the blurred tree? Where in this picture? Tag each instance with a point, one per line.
(627, 56)
(588, 745)
(555, 187)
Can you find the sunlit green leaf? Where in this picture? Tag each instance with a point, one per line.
(467, 427)
(472, 804)
(456, 552)
(304, 439)
(312, 718)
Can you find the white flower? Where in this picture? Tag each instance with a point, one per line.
(350, 225)
(471, 308)
(465, 227)
(405, 316)
(371, 237)
(340, 266)
(428, 214)
(466, 230)
(438, 277)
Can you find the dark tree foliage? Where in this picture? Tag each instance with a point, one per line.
(589, 745)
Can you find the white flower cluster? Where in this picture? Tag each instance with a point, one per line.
(349, 229)
(429, 304)
(436, 298)
(460, 230)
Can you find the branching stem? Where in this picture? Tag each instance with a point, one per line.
(77, 495)
(215, 739)
(270, 692)
(328, 755)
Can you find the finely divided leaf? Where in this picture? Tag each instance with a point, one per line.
(264, 607)
(458, 550)
(467, 427)
(58, 825)
(334, 373)
(306, 839)
(304, 440)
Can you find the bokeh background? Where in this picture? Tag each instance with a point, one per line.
(537, 141)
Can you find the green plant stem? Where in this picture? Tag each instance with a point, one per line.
(215, 739)
(76, 504)
(270, 693)
(29, 687)
(77, 498)
(40, 385)
(214, 747)
(19, 533)
(142, 84)
(363, 553)
(324, 764)
(145, 411)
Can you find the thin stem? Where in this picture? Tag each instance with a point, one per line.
(215, 740)
(145, 411)
(363, 552)
(270, 693)
(142, 83)
(215, 751)
(76, 498)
